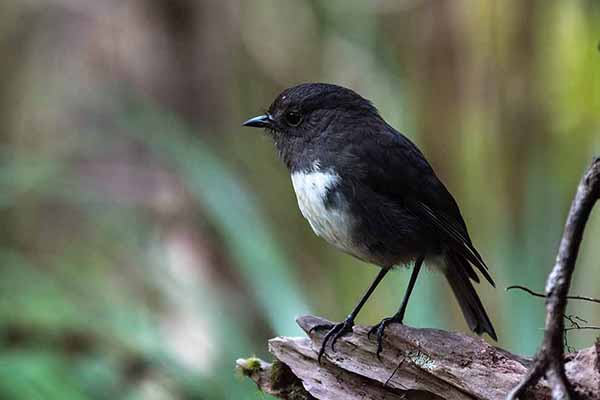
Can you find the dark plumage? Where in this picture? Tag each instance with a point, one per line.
(368, 190)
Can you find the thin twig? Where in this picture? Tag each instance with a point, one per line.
(572, 317)
(588, 327)
(575, 325)
(538, 294)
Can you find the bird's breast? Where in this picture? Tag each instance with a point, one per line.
(324, 206)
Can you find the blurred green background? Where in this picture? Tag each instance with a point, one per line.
(147, 240)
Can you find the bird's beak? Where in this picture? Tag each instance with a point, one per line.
(262, 121)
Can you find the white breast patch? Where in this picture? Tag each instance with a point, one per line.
(333, 223)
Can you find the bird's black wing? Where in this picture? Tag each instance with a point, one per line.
(397, 170)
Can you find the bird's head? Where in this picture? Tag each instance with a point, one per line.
(307, 111)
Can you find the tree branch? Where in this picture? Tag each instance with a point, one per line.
(415, 364)
(549, 360)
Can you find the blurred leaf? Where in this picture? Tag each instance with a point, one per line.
(232, 209)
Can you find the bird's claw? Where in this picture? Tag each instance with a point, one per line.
(335, 332)
(379, 329)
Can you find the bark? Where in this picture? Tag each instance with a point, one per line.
(415, 364)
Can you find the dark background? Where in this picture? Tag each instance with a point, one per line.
(147, 240)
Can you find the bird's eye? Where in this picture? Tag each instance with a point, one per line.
(293, 118)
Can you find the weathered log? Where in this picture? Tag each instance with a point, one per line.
(415, 364)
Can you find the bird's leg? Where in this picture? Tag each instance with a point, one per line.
(337, 330)
(399, 316)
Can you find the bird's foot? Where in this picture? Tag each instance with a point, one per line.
(335, 332)
(379, 329)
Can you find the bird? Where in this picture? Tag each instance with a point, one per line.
(367, 189)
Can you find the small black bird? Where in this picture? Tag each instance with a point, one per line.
(368, 190)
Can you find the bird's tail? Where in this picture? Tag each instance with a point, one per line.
(456, 273)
